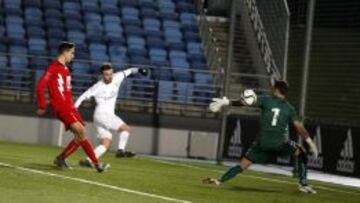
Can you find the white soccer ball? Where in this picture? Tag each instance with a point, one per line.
(248, 97)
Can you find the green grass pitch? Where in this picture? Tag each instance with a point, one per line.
(31, 177)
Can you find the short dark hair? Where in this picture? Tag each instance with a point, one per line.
(282, 86)
(65, 46)
(105, 66)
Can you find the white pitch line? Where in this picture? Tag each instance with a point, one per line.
(252, 176)
(95, 183)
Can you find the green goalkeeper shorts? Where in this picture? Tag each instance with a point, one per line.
(265, 154)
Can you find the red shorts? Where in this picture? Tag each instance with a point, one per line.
(69, 117)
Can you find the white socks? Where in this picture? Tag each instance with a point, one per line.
(99, 151)
(123, 139)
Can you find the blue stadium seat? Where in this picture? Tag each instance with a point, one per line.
(202, 78)
(54, 23)
(12, 7)
(157, 54)
(113, 37)
(72, 24)
(54, 32)
(152, 27)
(52, 13)
(165, 91)
(117, 52)
(133, 30)
(37, 63)
(92, 18)
(37, 46)
(162, 73)
(90, 5)
(139, 60)
(128, 3)
(94, 32)
(148, 4)
(155, 42)
(77, 37)
(112, 19)
(136, 46)
(14, 19)
(18, 62)
(109, 7)
(149, 13)
(15, 49)
(32, 3)
(3, 61)
(51, 4)
(81, 67)
(33, 16)
(185, 7)
(72, 10)
(191, 36)
(130, 15)
(182, 75)
(35, 31)
(183, 92)
(174, 54)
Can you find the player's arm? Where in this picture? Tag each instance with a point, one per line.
(218, 103)
(87, 95)
(126, 73)
(301, 131)
(40, 91)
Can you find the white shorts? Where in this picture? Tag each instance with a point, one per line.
(106, 124)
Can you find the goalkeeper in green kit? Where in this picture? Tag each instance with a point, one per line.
(276, 115)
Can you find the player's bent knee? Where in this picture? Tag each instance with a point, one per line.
(124, 127)
(78, 130)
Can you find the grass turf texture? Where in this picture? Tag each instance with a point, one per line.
(178, 180)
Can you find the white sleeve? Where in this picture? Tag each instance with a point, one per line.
(119, 76)
(86, 95)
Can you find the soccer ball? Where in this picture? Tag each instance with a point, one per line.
(248, 97)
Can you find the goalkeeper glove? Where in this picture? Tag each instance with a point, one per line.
(313, 149)
(217, 103)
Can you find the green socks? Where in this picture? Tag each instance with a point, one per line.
(231, 173)
(301, 164)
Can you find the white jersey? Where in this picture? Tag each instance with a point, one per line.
(105, 95)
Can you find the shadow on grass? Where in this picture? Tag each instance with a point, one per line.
(251, 189)
(42, 167)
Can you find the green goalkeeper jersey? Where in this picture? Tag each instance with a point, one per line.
(276, 114)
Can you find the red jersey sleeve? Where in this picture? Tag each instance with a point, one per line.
(41, 87)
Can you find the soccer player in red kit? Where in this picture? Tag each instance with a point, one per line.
(57, 80)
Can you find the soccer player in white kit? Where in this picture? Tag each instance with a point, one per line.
(106, 122)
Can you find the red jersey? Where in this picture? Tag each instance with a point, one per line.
(58, 81)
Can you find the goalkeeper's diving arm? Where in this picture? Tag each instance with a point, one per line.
(301, 130)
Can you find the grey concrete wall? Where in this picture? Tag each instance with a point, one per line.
(143, 140)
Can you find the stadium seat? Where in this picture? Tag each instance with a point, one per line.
(148, 12)
(136, 46)
(12, 7)
(109, 7)
(18, 62)
(35, 31)
(72, 10)
(90, 5)
(33, 16)
(81, 67)
(77, 37)
(51, 4)
(165, 91)
(37, 46)
(32, 3)
(72, 24)
(155, 42)
(54, 32)
(133, 30)
(38, 63)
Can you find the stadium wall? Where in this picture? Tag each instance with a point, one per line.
(144, 139)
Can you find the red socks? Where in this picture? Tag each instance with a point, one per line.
(86, 145)
(74, 145)
(70, 149)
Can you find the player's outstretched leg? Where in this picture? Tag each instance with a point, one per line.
(230, 173)
(99, 151)
(79, 131)
(302, 167)
(69, 149)
(124, 134)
